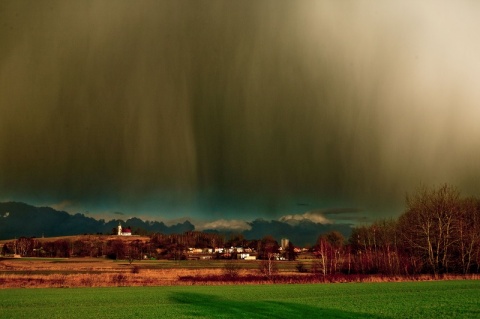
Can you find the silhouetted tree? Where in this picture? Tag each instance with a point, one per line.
(290, 252)
(116, 249)
(268, 246)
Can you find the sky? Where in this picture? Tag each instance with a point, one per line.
(222, 112)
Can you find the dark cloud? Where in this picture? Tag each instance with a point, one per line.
(304, 233)
(227, 108)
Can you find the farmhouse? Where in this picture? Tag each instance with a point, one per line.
(246, 256)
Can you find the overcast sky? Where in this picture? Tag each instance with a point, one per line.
(236, 110)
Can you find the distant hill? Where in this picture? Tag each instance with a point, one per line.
(19, 219)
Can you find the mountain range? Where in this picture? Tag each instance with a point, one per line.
(20, 219)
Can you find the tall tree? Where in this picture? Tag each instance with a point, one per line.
(468, 229)
(428, 225)
(329, 250)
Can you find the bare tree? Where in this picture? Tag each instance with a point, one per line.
(429, 224)
(24, 246)
(385, 239)
(468, 233)
(268, 266)
(329, 250)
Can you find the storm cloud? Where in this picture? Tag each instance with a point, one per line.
(237, 109)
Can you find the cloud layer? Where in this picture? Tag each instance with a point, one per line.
(224, 225)
(315, 217)
(235, 110)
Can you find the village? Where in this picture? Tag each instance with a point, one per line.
(124, 244)
(232, 252)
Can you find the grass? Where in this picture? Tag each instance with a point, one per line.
(432, 299)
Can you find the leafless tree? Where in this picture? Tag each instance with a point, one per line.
(24, 245)
(468, 227)
(329, 251)
(268, 266)
(429, 224)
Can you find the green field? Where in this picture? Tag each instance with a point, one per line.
(439, 299)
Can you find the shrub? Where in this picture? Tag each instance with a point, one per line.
(58, 280)
(86, 281)
(135, 269)
(231, 270)
(119, 279)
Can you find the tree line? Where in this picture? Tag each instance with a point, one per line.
(157, 246)
(438, 233)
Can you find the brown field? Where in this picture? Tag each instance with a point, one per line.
(100, 272)
(91, 272)
(103, 272)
